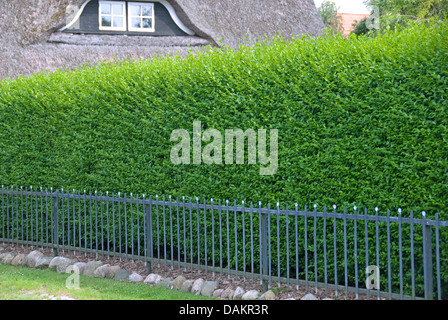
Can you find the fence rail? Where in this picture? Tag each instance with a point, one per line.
(304, 248)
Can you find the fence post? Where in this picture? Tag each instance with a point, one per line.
(149, 249)
(55, 224)
(427, 259)
(264, 250)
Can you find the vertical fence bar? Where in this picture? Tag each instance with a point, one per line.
(108, 225)
(260, 242)
(228, 238)
(3, 216)
(377, 238)
(190, 209)
(55, 220)
(366, 243)
(185, 234)
(345, 253)
(63, 220)
(278, 243)
(264, 248)
(315, 246)
(131, 244)
(26, 214)
(244, 240)
(149, 248)
(296, 227)
(21, 215)
(287, 244)
(251, 242)
(85, 222)
(198, 234)
(439, 285)
(355, 226)
(389, 268)
(158, 231)
(213, 239)
(37, 217)
(79, 222)
(90, 221)
(220, 235)
(7, 216)
(400, 252)
(125, 226)
(102, 223)
(31, 217)
(74, 221)
(46, 217)
(114, 244)
(269, 244)
(41, 217)
(324, 236)
(205, 238)
(412, 255)
(336, 283)
(236, 239)
(305, 218)
(171, 233)
(178, 232)
(427, 258)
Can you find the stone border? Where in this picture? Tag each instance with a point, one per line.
(96, 268)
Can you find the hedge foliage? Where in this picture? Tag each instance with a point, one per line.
(361, 121)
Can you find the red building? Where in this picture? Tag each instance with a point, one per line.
(348, 19)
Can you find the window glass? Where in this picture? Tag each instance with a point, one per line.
(147, 23)
(134, 10)
(117, 9)
(106, 21)
(135, 22)
(118, 22)
(105, 8)
(147, 11)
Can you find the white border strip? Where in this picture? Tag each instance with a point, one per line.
(176, 19)
(165, 3)
(76, 17)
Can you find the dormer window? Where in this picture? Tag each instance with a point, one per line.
(141, 17)
(112, 15)
(133, 17)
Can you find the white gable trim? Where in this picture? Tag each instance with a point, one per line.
(165, 3)
(76, 16)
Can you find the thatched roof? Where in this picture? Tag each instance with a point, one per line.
(26, 27)
(230, 21)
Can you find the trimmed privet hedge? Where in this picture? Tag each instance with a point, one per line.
(361, 121)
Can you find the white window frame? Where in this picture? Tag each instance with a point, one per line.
(152, 17)
(112, 28)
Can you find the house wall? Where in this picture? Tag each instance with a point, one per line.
(348, 19)
(164, 24)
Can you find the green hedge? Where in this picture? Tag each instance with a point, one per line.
(361, 121)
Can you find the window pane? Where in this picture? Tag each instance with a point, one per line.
(135, 10)
(147, 11)
(105, 21)
(117, 9)
(105, 8)
(118, 22)
(147, 23)
(135, 23)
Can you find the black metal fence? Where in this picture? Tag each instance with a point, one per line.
(304, 248)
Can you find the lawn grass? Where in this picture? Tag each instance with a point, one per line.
(21, 283)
